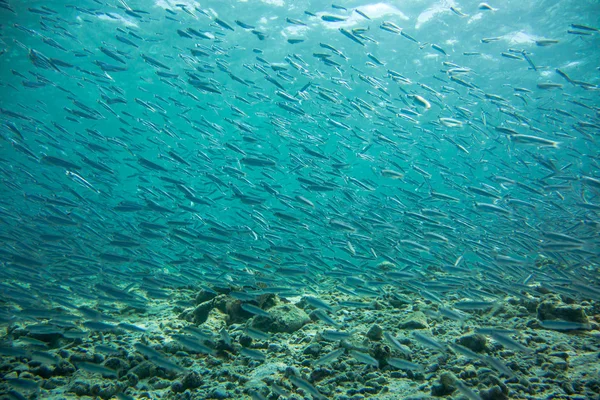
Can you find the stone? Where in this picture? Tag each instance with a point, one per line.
(417, 320)
(80, 388)
(177, 387)
(446, 385)
(116, 364)
(192, 380)
(468, 372)
(375, 332)
(53, 383)
(63, 368)
(473, 341)
(204, 296)
(225, 304)
(216, 320)
(286, 318)
(43, 370)
(399, 301)
(144, 370)
(313, 349)
(200, 313)
(493, 393)
(551, 310)
(219, 393)
(558, 364)
(132, 378)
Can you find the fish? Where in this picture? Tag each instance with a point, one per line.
(558, 325)
(329, 357)
(428, 341)
(332, 18)
(510, 343)
(351, 36)
(96, 369)
(191, 344)
(404, 364)
(438, 48)
(306, 386)
(362, 14)
(486, 7)
(335, 335)
(395, 343)
(546, 42)
(533, 140)
(364, 358)
(318, 303)
(253, 354)
(159, 160)
(255, 310)
(295, 22)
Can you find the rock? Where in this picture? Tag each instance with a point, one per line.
(438, 390)
(219, 393)
(283, 318)
(399, 301)
(204, 296)
(63, 368)
(493, 393)
(144, 370)
(225, 304)
(381, 353)
(200, 313)
(274, 348)
(245, 340)
(313, 349)
(51, 338)
(447, 379)
(446, 385)
(530, 304)
(468, 372)
(551, 310)
(11, 375)
(267, 370)
(132, 378)
(80, 388)
(216, 321)
(177, 387)
(319, 374)
(160, 384)
(191, 380)
(81, 357)
(256, 386)
(43, 370)
(53, 383)
(473, 341)
(116, 364)
(104, 390)
(375, 332)
(417, 320)
(558, 364)
(232, 308)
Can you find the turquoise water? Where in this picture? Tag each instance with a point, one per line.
(297, 146)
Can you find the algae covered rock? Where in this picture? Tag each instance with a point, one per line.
(446, 385)
(283, 318)
(417, 320)
(552, 310)
(474, 341)
(223, 303)
(375, 332)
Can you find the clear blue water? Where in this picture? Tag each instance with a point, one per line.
(147, 142)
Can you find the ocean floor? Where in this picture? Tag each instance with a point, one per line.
(223, 344)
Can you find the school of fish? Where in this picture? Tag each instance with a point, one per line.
(354, 147)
